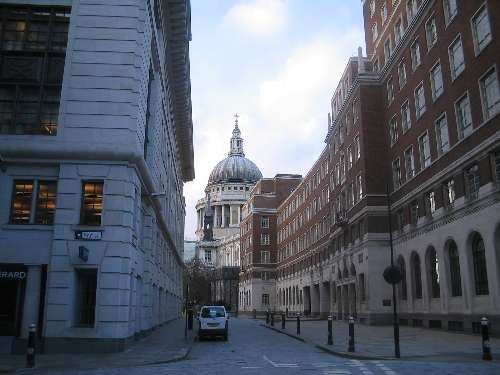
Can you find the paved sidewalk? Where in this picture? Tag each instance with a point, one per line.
(165, 344)
(377, 342)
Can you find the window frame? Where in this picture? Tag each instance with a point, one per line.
(461, 132)
(420, 111)
(477, 47)
(82, 202)
(436, 95)
(486, 116)
(420, 149)
(431, 20)
(439, 148)
(455, 74)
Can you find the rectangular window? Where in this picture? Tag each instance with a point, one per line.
(402, 74)
(46, 202)
(490, 94)
(85, 297)
(396, 173)
(425, 151)
(442, 136)
(457, 60)
(264, 222)
(430, 202)
(393, 130)
(436, 82)
(32, 53)
(411, 9)
(414, 213)
(387, 49)
(264, 239)
(481, 29)
(358, 147)
(374, 32)
(92, 196)
(431, 32)
(265, 299)
(398, 31)
(463, 115)
(383, 13)
(265, 257)
(360, 187)
(449, 192)
(390, 91)
(405, 116)
(409, 163)
(415, 55)
(420, 106)
(22, 197)
(450, 10)
(472, 182)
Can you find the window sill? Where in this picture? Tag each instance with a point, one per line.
(39, 227)
(82, 227)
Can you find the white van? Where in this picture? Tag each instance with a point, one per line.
(213, 321)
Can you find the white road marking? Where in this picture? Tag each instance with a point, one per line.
(323, 365)
(281, 365)
(336, 372)
(250, 367)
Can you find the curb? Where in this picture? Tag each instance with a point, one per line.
(296, 337)
(326, 348)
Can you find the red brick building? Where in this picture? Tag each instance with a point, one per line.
(259, 241)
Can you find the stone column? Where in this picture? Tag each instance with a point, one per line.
(223, 215)
(31, 299)
(239, 214)
(315, 302)
(215, 216)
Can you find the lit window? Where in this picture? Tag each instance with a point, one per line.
(457, 61)
(481, 29)
(415, 55)
(92, 196)
(21, 202)
(425, 150)
(490, 94)
(409, 163)
(464, 118)
(405, 116)
(420, 107)
(450, 10)
(436, 82)
(46, 202)
(431, 32)
(442, 137)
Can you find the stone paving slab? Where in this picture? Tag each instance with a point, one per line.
(377, 342)
(165, 344)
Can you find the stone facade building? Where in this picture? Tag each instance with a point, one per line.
(228, 188)
(95, 146)
(414, 127)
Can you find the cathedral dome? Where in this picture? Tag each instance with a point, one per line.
(236, 167)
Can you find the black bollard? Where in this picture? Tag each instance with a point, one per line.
(298, 324)
(254, 314)
(30, 350)
(272, 319)
(267, 317)
(330, 330)
(190, 319)
(283, 320)
(351, 335)
(486, 339)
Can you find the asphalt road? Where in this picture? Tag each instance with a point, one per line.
(252, 350)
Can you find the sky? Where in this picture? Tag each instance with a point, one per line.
(277, 64)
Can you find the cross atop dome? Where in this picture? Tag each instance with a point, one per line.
(236, 143)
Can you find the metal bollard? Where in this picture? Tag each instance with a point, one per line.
(283, 320)
(272, 319)
(298, 324)
(351, 335)
(30, 350)
(330, 330)
(254, 314)
(486, 339)
(267, 317)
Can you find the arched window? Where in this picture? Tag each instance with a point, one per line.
(479, 262)
(433, 272)
(416, 276)
(403, 291)
(455, 278)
